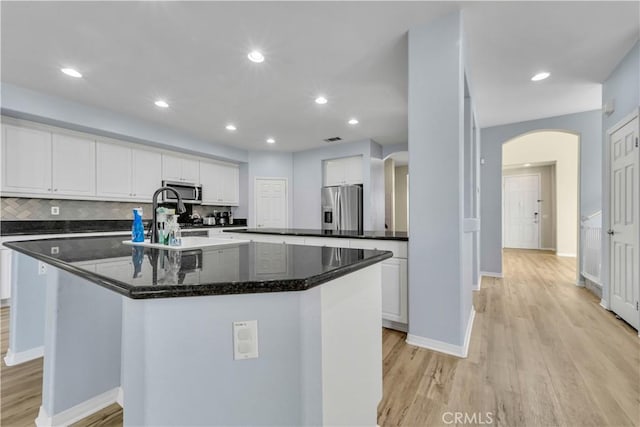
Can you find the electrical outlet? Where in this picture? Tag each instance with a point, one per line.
(245, 340)
(55, 250)
(55, 210)
(42, 268)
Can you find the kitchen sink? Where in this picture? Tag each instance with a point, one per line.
(193, 242)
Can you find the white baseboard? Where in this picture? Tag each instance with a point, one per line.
(120, 398)
(604, 304)
(548, 249)
(397, 326)
(443, 347)
(491, 274)
(11, 358)
(479, 284)
(568, 255)
(580, 283)
(78, 412)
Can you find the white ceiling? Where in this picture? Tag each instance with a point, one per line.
(193, 54)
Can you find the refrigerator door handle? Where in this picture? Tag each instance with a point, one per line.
(339, 216)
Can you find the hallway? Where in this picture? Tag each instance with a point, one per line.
(543, 353)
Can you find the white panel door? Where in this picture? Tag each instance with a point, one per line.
(521, 218)
(271, 203)
(147, 173)
(113, 171)
(624, 260)
(394, 290)
(171, 168)
(26, 160)
(73, 166)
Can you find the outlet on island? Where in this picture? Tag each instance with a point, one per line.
(55, 210)
(245, 340)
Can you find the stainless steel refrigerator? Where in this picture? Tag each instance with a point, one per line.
(342, 208)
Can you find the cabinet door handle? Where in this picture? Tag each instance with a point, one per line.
(48, 189)
(55, 189)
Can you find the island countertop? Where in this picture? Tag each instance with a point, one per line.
(237, 268)
(374, 235)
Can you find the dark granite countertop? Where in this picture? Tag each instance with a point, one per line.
(238, 268)
(15, 228)
(376, 235)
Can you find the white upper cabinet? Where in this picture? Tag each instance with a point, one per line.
(26, 160)
(344, 171)
(147, 173)
(73, 166)
(127, 173)
(114, 165)
(220, 184)
(175, 168)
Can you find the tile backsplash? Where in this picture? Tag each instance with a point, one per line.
(14, 208)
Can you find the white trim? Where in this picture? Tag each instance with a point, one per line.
(592, 279)
(120, 397)
(562, 254)
(548, 249)
(397, 326)
(580, 283)
(78, 412)
(604, 304)
(286, 197)
(479, 284)
(461, 351)
(11, 358)
(491, 274)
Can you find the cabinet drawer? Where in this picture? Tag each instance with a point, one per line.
(399, 248)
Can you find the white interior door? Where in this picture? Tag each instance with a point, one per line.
(271, 202)
(624, 280)
(521, 215)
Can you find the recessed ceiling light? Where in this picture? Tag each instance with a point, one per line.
(271, 141)
(230, 127)
(540, 76)
(161, 103)
(71, 72)
(353, 121)
(321, 100)
(255, 56)
(526, 165)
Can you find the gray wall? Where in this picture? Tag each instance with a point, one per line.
(26, 104)
(307, 181)
(436, 98)
(269, 164)
(548, 205)
(394, 148)
(588, 125)
(623, 87)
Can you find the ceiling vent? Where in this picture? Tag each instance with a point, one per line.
(333, 139)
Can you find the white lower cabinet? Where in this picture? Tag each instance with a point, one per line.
(394, 290)
(5, 274)
(394, 270)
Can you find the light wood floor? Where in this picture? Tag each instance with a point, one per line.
(543, 353)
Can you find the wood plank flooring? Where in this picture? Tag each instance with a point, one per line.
(543, 353)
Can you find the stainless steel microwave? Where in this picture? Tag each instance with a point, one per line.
(189, 192)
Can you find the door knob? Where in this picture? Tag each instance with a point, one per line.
(610, 232)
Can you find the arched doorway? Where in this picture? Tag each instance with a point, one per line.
(541, 192)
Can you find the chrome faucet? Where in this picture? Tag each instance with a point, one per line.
(154, 223)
